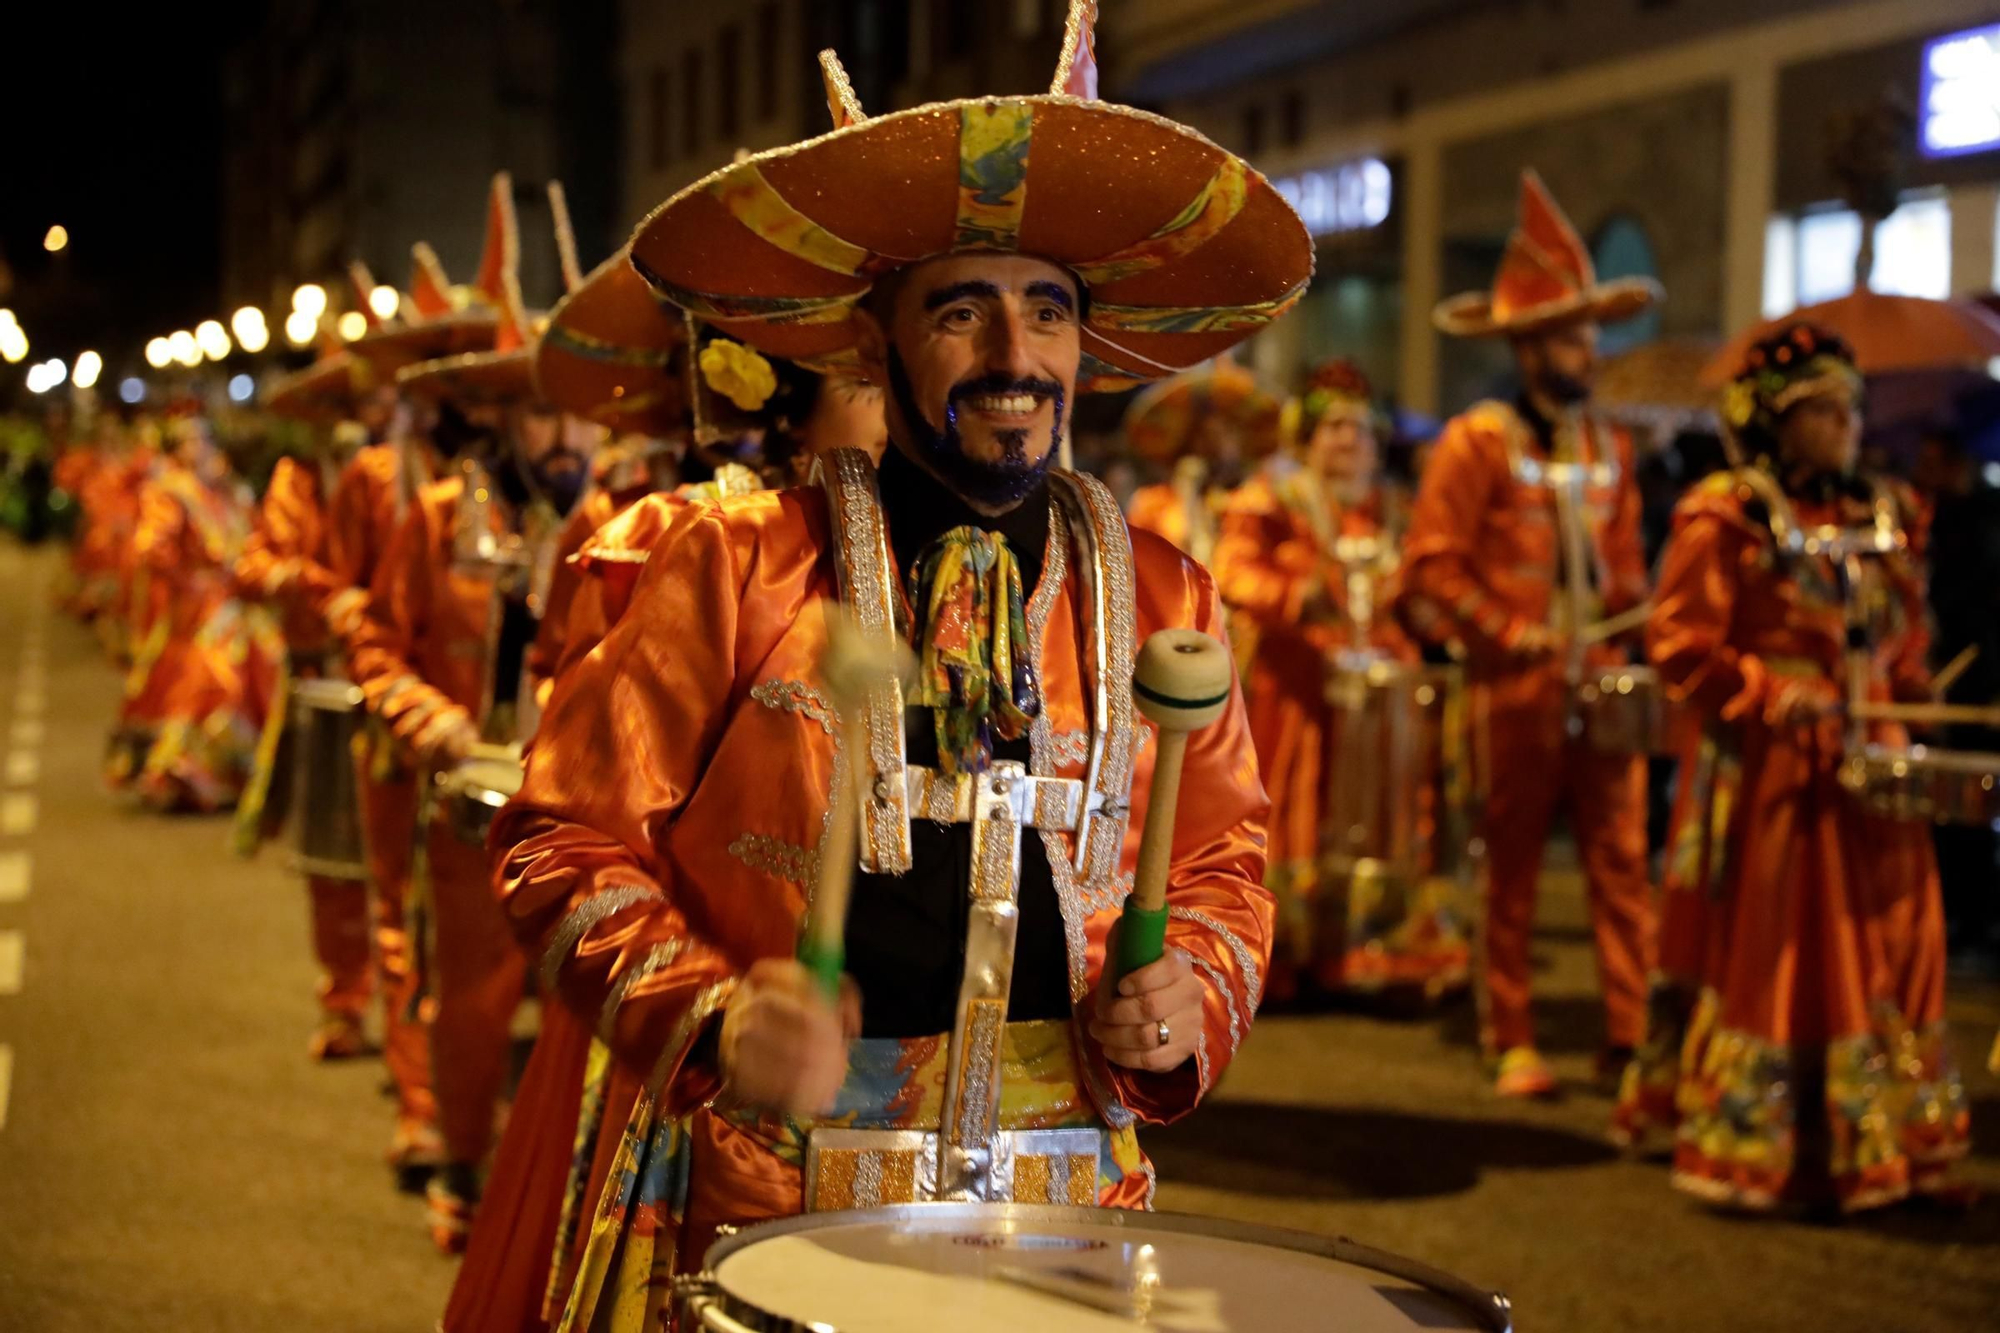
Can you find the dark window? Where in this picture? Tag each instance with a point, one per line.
(660, 125)
(1292, 118)
(1253, 130)
(767, 61)
(691, 101)
(728, 79)
(952, 29)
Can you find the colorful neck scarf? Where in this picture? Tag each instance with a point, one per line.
(974, 670)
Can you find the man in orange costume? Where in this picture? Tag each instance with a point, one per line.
(1208, 426)
(442, 658)
(287, 563)
(1525, 533)
(659, 857)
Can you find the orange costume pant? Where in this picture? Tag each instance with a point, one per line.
(478, 975)
(1530, 768)
(389, 821)
(340, 943)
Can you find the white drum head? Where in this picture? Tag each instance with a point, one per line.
(1019, 1269)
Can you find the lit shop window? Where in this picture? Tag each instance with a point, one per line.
(1809, 257)
(1352, 196)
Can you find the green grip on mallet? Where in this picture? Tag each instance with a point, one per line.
(1142, 937)
(826, 962)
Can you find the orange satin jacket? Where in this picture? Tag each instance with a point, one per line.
(1482, 558)
(1186, 519)
(286, 558)
(666, 835)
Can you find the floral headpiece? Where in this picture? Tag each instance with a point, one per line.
(1797, 362)
(1337, 385)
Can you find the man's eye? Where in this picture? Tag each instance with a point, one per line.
(960, 315)
(1051, 314)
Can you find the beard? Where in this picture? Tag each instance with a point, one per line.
(1001, 483)
(1568, 390)
(559, 475)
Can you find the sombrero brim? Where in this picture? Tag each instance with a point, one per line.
(473, 377)
(1161, 419)
(323, 391)
(612, 354)
(1473, 315)
(1185, 248)
(390, 350)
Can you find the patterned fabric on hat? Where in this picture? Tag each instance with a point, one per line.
(1797, 362)
(974, 670)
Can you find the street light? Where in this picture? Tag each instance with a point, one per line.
(13, 343)
(89, 365)
(132, 389)
(54, 371)
(352, 325)
(182, 345)
(299, 327)
(243, 321)
(212, 340)
(56, 240)
(240, 388)
(385, 302)
(309, 300)
(159, 353)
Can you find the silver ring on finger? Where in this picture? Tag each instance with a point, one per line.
(1164, 1035)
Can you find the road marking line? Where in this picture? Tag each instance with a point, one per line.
(6, 1080)
(15, 870)
(23, 767)
(13, 953)
(18, 810)
(28, 732)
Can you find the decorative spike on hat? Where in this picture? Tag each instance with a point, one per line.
(841, 103)
(363, 283)
(1184, 248)
(1545, 277)
(430, 290)
(572, 271)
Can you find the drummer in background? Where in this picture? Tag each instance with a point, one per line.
(1507, 488)
(1805, 934)
(441, 658)
(285, 564)
(1307, 564)
(660, 854)
(375, 493)
(1210, 426)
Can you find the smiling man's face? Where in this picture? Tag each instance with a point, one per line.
(980, 354)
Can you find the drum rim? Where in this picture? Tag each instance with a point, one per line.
(330, 693)
(1491, 1307)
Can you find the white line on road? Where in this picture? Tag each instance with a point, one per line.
(15, 872)
(13, 953)
(18, 810)
(27, 732)
(23, 767)
(6, 1081)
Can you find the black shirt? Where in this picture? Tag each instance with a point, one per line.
(906, 933)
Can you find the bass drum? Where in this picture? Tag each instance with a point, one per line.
(1001, 1268)
(326, 797)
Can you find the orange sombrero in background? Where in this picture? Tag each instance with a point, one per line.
(447, 321)
(1545, 277)
(1185, 248)
(614, 354)
(1161, 422)
(323, 391)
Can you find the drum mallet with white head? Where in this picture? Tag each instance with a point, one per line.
(1182, 683)
(854, 665)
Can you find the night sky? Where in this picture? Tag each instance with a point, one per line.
(113, 129)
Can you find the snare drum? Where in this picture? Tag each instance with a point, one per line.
(1001, 1268)
(1919, 782)
(1388, 724)
(326, 719)
(472, 793)
(1626, 711)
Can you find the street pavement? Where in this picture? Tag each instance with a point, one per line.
(170, 1160)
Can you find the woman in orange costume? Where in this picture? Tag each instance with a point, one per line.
(1807, 934)
(1306, 561)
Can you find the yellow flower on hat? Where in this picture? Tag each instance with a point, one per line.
(1739, 403)
(738, 373)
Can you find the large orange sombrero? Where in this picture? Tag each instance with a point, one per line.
(448, 321)
(1545, 277)
(614, 354)
(505, 371)
(1160, 424)
(324, 391)
(1185, 248)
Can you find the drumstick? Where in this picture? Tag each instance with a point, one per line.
(1182, 682)
(1616, 625)
(1985, 715)
(509, 754)
(1952, 670)
(854, 664)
